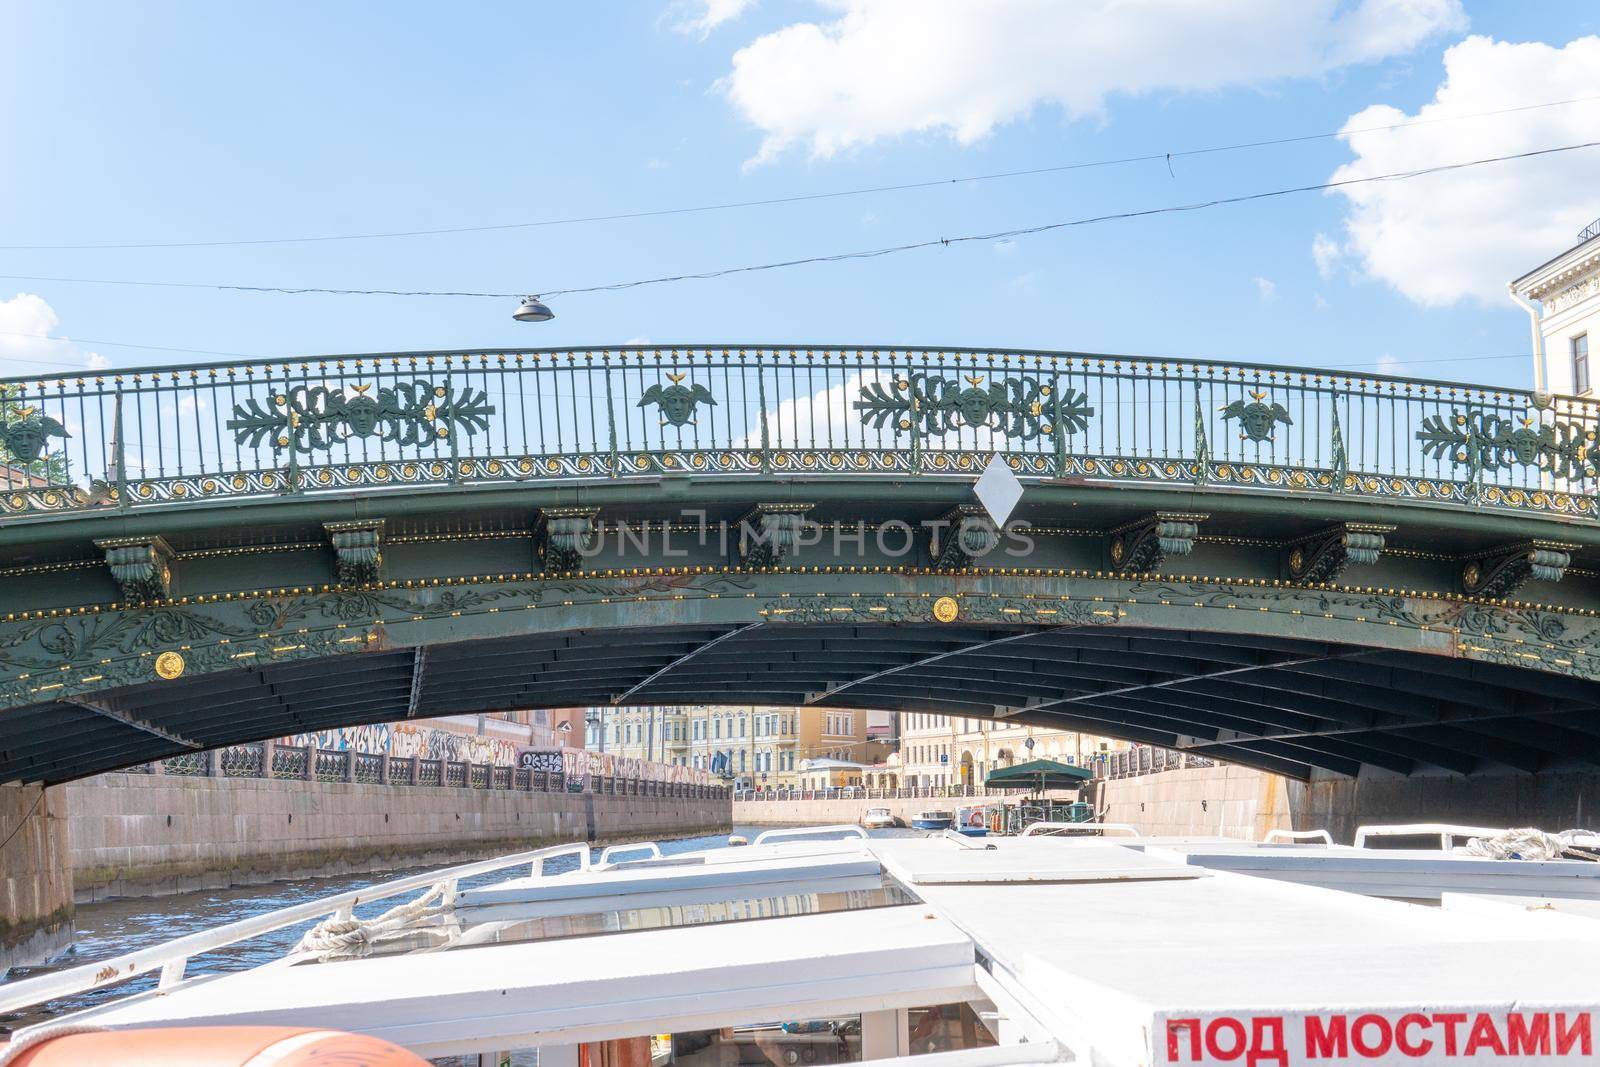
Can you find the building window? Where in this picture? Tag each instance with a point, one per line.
(1580, 363)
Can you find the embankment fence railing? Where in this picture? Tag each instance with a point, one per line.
(266, 759)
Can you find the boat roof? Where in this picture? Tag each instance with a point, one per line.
(1411, 874)
(1103, 947)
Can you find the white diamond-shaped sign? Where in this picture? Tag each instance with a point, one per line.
(998, 490)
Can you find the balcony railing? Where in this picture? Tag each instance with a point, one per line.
(167, 437)
(271, 760)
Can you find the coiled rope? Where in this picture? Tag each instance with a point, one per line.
(350, 936)
(1528, 843)
(9, 1053)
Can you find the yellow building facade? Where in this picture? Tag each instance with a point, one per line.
(944, 750)
(755, 745)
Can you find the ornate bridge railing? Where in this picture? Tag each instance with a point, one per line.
(170, 436)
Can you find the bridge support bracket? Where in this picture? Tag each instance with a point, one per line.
(1324, 555)
(563, 535)
(770, 533)
(1501, 571)
(1143, 545)
(357, 550)
(142, 566)
(962, 534)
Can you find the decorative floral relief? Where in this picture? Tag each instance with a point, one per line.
(307, 418)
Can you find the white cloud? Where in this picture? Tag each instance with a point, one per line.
(1326, 253)
(1462, 235)
(700, 17)
(28, 344)
(883, 68)
(1387, 364)
(1267, 288)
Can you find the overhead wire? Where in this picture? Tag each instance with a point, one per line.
(113, 344)
(939, 242)
(1164, 156)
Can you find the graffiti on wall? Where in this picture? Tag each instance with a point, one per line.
(579, 765)
(404, 740)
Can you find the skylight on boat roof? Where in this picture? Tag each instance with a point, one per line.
(478, 927)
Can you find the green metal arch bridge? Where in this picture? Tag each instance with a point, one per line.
(1299, 570)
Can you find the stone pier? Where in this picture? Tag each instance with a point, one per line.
(36, 869)
(1232, 801)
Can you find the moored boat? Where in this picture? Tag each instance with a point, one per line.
(879, 819)
(932, 820)
(972, 821)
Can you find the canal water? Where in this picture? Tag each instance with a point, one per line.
(113, 927)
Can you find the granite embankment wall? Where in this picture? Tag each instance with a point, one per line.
(1239, 802)
(828, 812)
(36, 872)
(1223, 801)
(822, 812)
(147, 835)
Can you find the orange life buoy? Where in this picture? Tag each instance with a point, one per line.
(216, 1046)
(975, 819)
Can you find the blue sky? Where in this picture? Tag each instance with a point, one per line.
(198, 122)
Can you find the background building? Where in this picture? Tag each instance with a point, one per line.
(940, 750)
(656, 733)
(1562, 296)
(763, 745)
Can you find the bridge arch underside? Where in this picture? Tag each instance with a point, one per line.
(1258, 673)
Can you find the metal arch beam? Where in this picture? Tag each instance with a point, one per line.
(1017, 682)
(138, 724)
(1082, 718)
(1442, 684)
(1183, 680)
(1485, 747)
(1145, 710)
(1119, 718)
(1547, 738)
(686, 657)
(419, 670)
(1499, 675)
(1504, 708)
(814, 698)
(1493, 725)
(1353, 726)
(1337, 747)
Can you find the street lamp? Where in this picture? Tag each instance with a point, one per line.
(532, 309)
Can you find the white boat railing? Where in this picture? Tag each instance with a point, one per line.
(1297, 835)
(622, 850)
(1447, 833)
(1051, 829)
(848, 829)
(172, 957)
